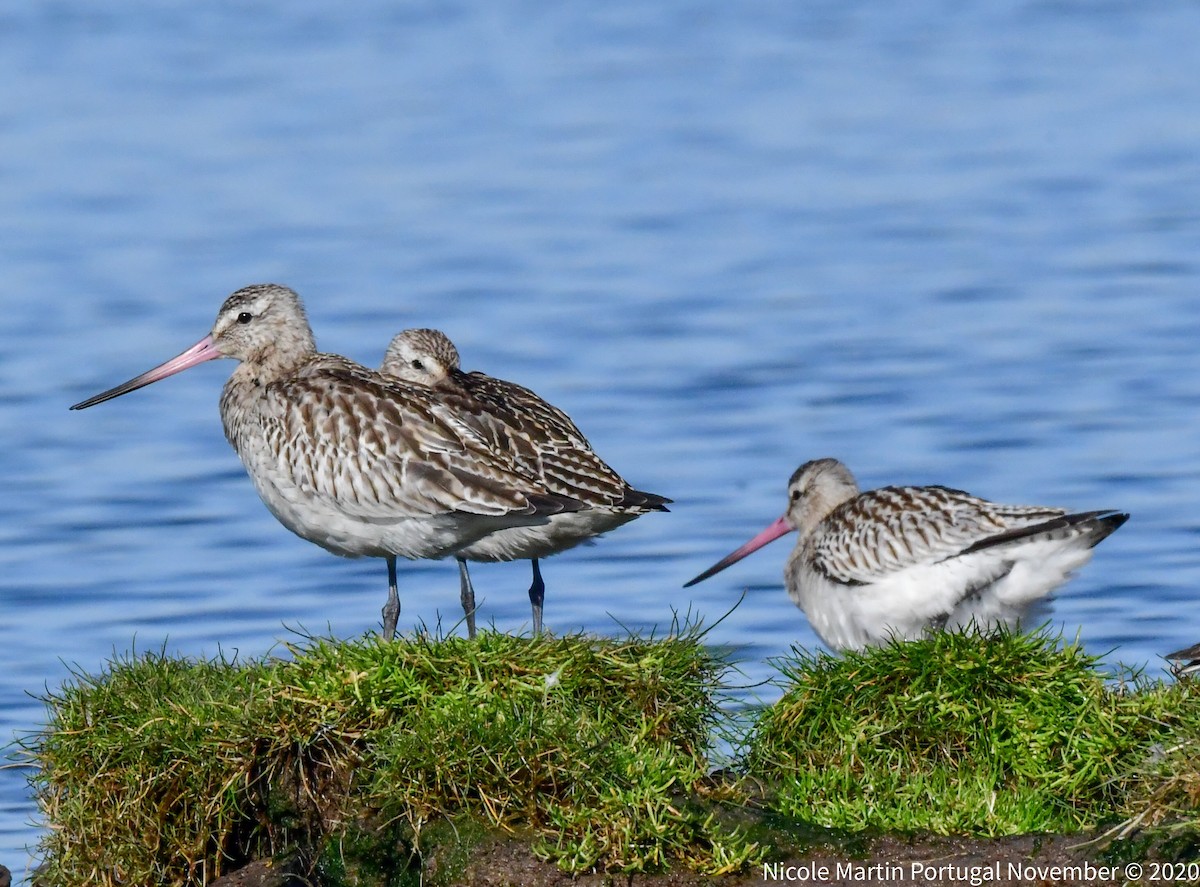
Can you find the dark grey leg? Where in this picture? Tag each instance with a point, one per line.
(391, 610)
(466, 593)
(537, 594)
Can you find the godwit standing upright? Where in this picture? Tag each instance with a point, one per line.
(545, 442)
(359, 463)
(904, 561)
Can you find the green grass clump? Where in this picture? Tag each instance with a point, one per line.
(168, 771)
(1006, 734)
(584, 741)
(143, 770)
(1165, 795)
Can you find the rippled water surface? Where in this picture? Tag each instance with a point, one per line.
(947, 245)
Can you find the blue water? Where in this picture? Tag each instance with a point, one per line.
(947, 243)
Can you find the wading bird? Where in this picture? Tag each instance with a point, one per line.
(362, 464)
(903, 561)
(544, 441)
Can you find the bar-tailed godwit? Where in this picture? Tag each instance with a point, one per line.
(904, 561)
(545, 442)
(359, 463)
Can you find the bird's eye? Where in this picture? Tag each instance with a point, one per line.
(795, 495)
(245, 317)
(417, 365)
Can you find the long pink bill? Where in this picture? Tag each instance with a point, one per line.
(203, 350)
(779, 528)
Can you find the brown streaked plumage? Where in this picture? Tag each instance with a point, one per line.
(359, 463)
(540, 438)
(903, 561)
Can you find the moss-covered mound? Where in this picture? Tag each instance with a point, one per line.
(959, 734)
(165, 771)
(365, 763)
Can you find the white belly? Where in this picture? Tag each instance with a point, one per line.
(558, 533)
(415, 537)
(993, 587)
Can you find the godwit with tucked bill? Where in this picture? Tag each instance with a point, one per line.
(545, 442)
(359, 463)
(903, 561)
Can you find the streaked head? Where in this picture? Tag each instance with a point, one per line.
(424, 357)
(263, 323)
(814, 490)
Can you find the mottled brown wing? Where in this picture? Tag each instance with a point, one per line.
(883, 531)
(545, 441)
(380, 448)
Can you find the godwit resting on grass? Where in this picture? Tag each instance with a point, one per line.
(545, 442)
(904, 561)
(359, 463)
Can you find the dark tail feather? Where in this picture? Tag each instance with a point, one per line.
(552, 503)
(643, 500)
(1108, 524)
(1104, 524)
